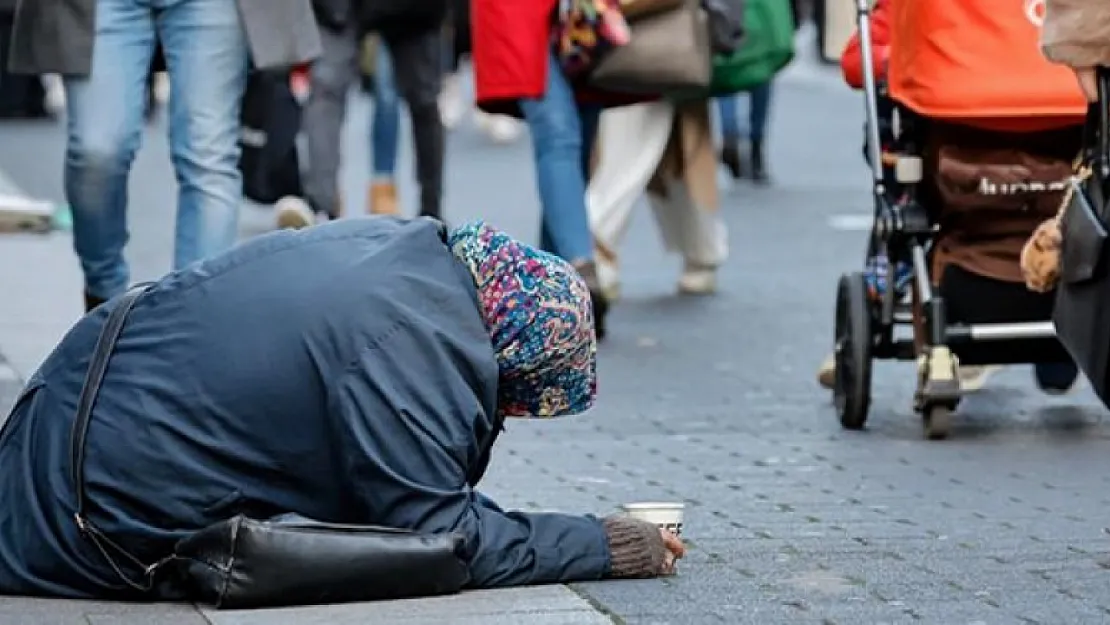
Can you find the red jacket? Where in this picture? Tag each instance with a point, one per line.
(512, 41)
(851, 60)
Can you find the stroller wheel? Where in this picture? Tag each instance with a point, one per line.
(854, 340)
(938, 419)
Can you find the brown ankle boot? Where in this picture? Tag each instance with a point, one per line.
(382, 198)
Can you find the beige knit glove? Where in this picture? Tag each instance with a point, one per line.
(636, 548)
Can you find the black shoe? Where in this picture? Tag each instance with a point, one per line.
(759, 167)
(1056, 378)
(600, 306)
(730, 158)
(366, 83)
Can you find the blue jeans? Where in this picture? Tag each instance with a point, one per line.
(385, 124)
(207, 59)
(562, 136)
(759, 107)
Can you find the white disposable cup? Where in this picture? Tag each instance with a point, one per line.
(665, 515)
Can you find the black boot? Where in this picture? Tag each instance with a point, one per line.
(759, 168)
(730, 157)
(598, 302)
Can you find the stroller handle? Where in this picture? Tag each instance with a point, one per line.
(871, 92)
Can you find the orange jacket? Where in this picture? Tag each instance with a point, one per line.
(851, 60)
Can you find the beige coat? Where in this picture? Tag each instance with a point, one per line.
(690, 156)
(1077, 32)
(666, 149)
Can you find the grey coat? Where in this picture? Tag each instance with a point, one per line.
(56, 36)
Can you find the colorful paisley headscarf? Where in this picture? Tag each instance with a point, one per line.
(537, 310)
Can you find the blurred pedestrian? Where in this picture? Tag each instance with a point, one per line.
(517, 73)
(743, 147)
(104, 49)
(665, 149)
(409, 61)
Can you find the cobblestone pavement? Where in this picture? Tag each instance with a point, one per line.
(712, 401)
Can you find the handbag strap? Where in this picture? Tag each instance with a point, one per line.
(1096, 129)
(1094, 156)
(94, 377)
(1101, 159)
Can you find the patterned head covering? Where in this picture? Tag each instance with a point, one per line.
(537, 310)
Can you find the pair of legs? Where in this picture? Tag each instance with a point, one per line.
(759, 109)
(417, 69)
(562, 138)
(633, 141)
(207, 59)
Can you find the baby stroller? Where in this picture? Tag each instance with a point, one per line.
(959, 70)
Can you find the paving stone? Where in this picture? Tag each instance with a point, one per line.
(549, 605)
(27, 611)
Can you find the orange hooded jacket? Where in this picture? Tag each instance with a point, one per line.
(851, 60)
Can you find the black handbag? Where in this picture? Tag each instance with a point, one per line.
(287, 560)
(270, 119)
(291, 560)
(1082, 310)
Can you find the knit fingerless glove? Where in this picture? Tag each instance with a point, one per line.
(636, 548)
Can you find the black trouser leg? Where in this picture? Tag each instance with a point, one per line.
(418, 71)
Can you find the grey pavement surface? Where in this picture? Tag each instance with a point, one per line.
(706, 400)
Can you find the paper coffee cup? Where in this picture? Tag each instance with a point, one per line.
(666, 516)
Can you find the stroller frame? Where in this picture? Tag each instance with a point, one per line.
(902, 230)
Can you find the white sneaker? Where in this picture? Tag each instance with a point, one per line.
(698, 280)
(608, 274)
(499, 128)
(451, 104)
(55, 100)
(293, 213)
(162, 87)
(504, 129)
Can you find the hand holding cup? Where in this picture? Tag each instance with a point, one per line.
(668, 518)
(675, 551)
